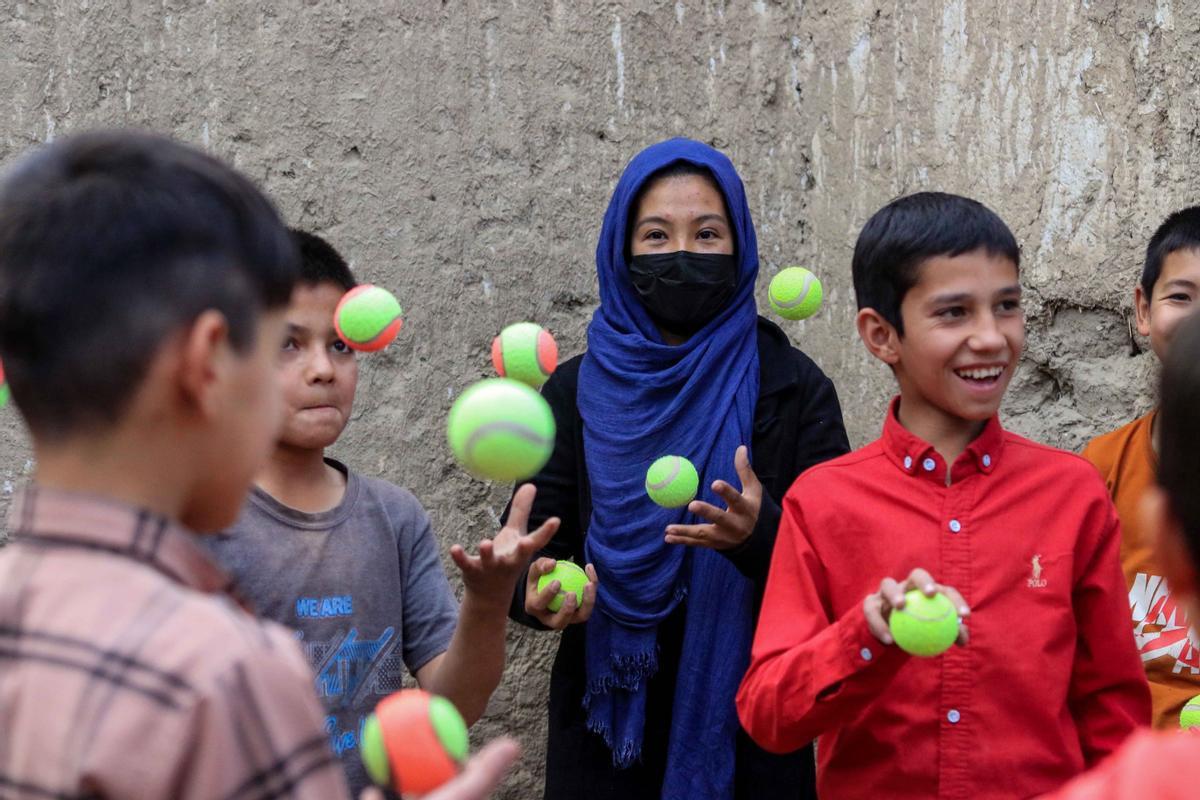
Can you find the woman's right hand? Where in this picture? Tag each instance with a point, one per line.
(537, 604)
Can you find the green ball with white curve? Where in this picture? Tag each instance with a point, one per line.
(795, 293)
(571, 578)
(925, 626)
(1189, 717)
(500, 429)
(672, 481)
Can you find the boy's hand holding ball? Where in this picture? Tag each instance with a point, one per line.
(919, 615)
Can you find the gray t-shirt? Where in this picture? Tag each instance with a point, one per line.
(362, 586)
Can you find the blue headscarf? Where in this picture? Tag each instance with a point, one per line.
(640, 399)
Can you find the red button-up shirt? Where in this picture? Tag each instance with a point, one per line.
(1050, 682)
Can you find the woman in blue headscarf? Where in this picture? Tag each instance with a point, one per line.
(678, 363)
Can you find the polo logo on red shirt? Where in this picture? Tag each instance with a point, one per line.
(1037, 581)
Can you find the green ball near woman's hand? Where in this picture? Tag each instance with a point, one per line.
(672, 481)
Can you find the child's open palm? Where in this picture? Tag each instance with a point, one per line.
(493, 574)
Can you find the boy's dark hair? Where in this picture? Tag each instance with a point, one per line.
(109, 242)
(908, 231)
(1180, 231)
(320, 262)
(1179, 431)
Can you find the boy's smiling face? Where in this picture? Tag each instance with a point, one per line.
(1176, 295)
(317, 371)
(964, 330)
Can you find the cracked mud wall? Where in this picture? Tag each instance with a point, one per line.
(462, 154)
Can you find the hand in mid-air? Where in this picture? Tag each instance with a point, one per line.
(492, 575)
(732, 526)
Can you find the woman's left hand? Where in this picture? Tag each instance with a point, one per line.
(727, 528)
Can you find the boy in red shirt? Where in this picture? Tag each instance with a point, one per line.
(1021, 537)
(1165, 765)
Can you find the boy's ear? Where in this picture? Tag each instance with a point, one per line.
(1170, 548)
(201, 361)
(1141, 310)
(879, 335)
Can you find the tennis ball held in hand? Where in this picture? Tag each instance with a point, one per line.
(926, 626)
(525, 352)
(414, 742)
(367, 318)
(795, 293)
(501, 430)
(570, 577)
(1189, 717)
(672, 481)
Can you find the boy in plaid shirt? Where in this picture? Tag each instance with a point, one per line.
(141, 293)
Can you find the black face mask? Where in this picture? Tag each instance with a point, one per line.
(683, 291)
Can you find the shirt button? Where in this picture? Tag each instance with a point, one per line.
(953, 716)
(866, 654)
(928, 464)
(987, 460)
(955, 525)
(908, 462)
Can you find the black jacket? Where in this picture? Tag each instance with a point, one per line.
(797, 423)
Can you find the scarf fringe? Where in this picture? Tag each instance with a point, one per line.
(627, 673)
(624, 756)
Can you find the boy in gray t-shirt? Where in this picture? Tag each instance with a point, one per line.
(350, 562)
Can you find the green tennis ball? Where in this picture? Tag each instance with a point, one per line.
(450, 728)
(367, 318)
(1189, 717)
(795, 293)
(926, 626)
(672, 481)
(570, 577)
(525, 352)
(414, 742)
(501, 430)
(374, 754)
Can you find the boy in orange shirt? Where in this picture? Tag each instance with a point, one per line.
(1165, 766)
(1168, 292)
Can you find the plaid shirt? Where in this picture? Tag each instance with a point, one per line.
(127, 668)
